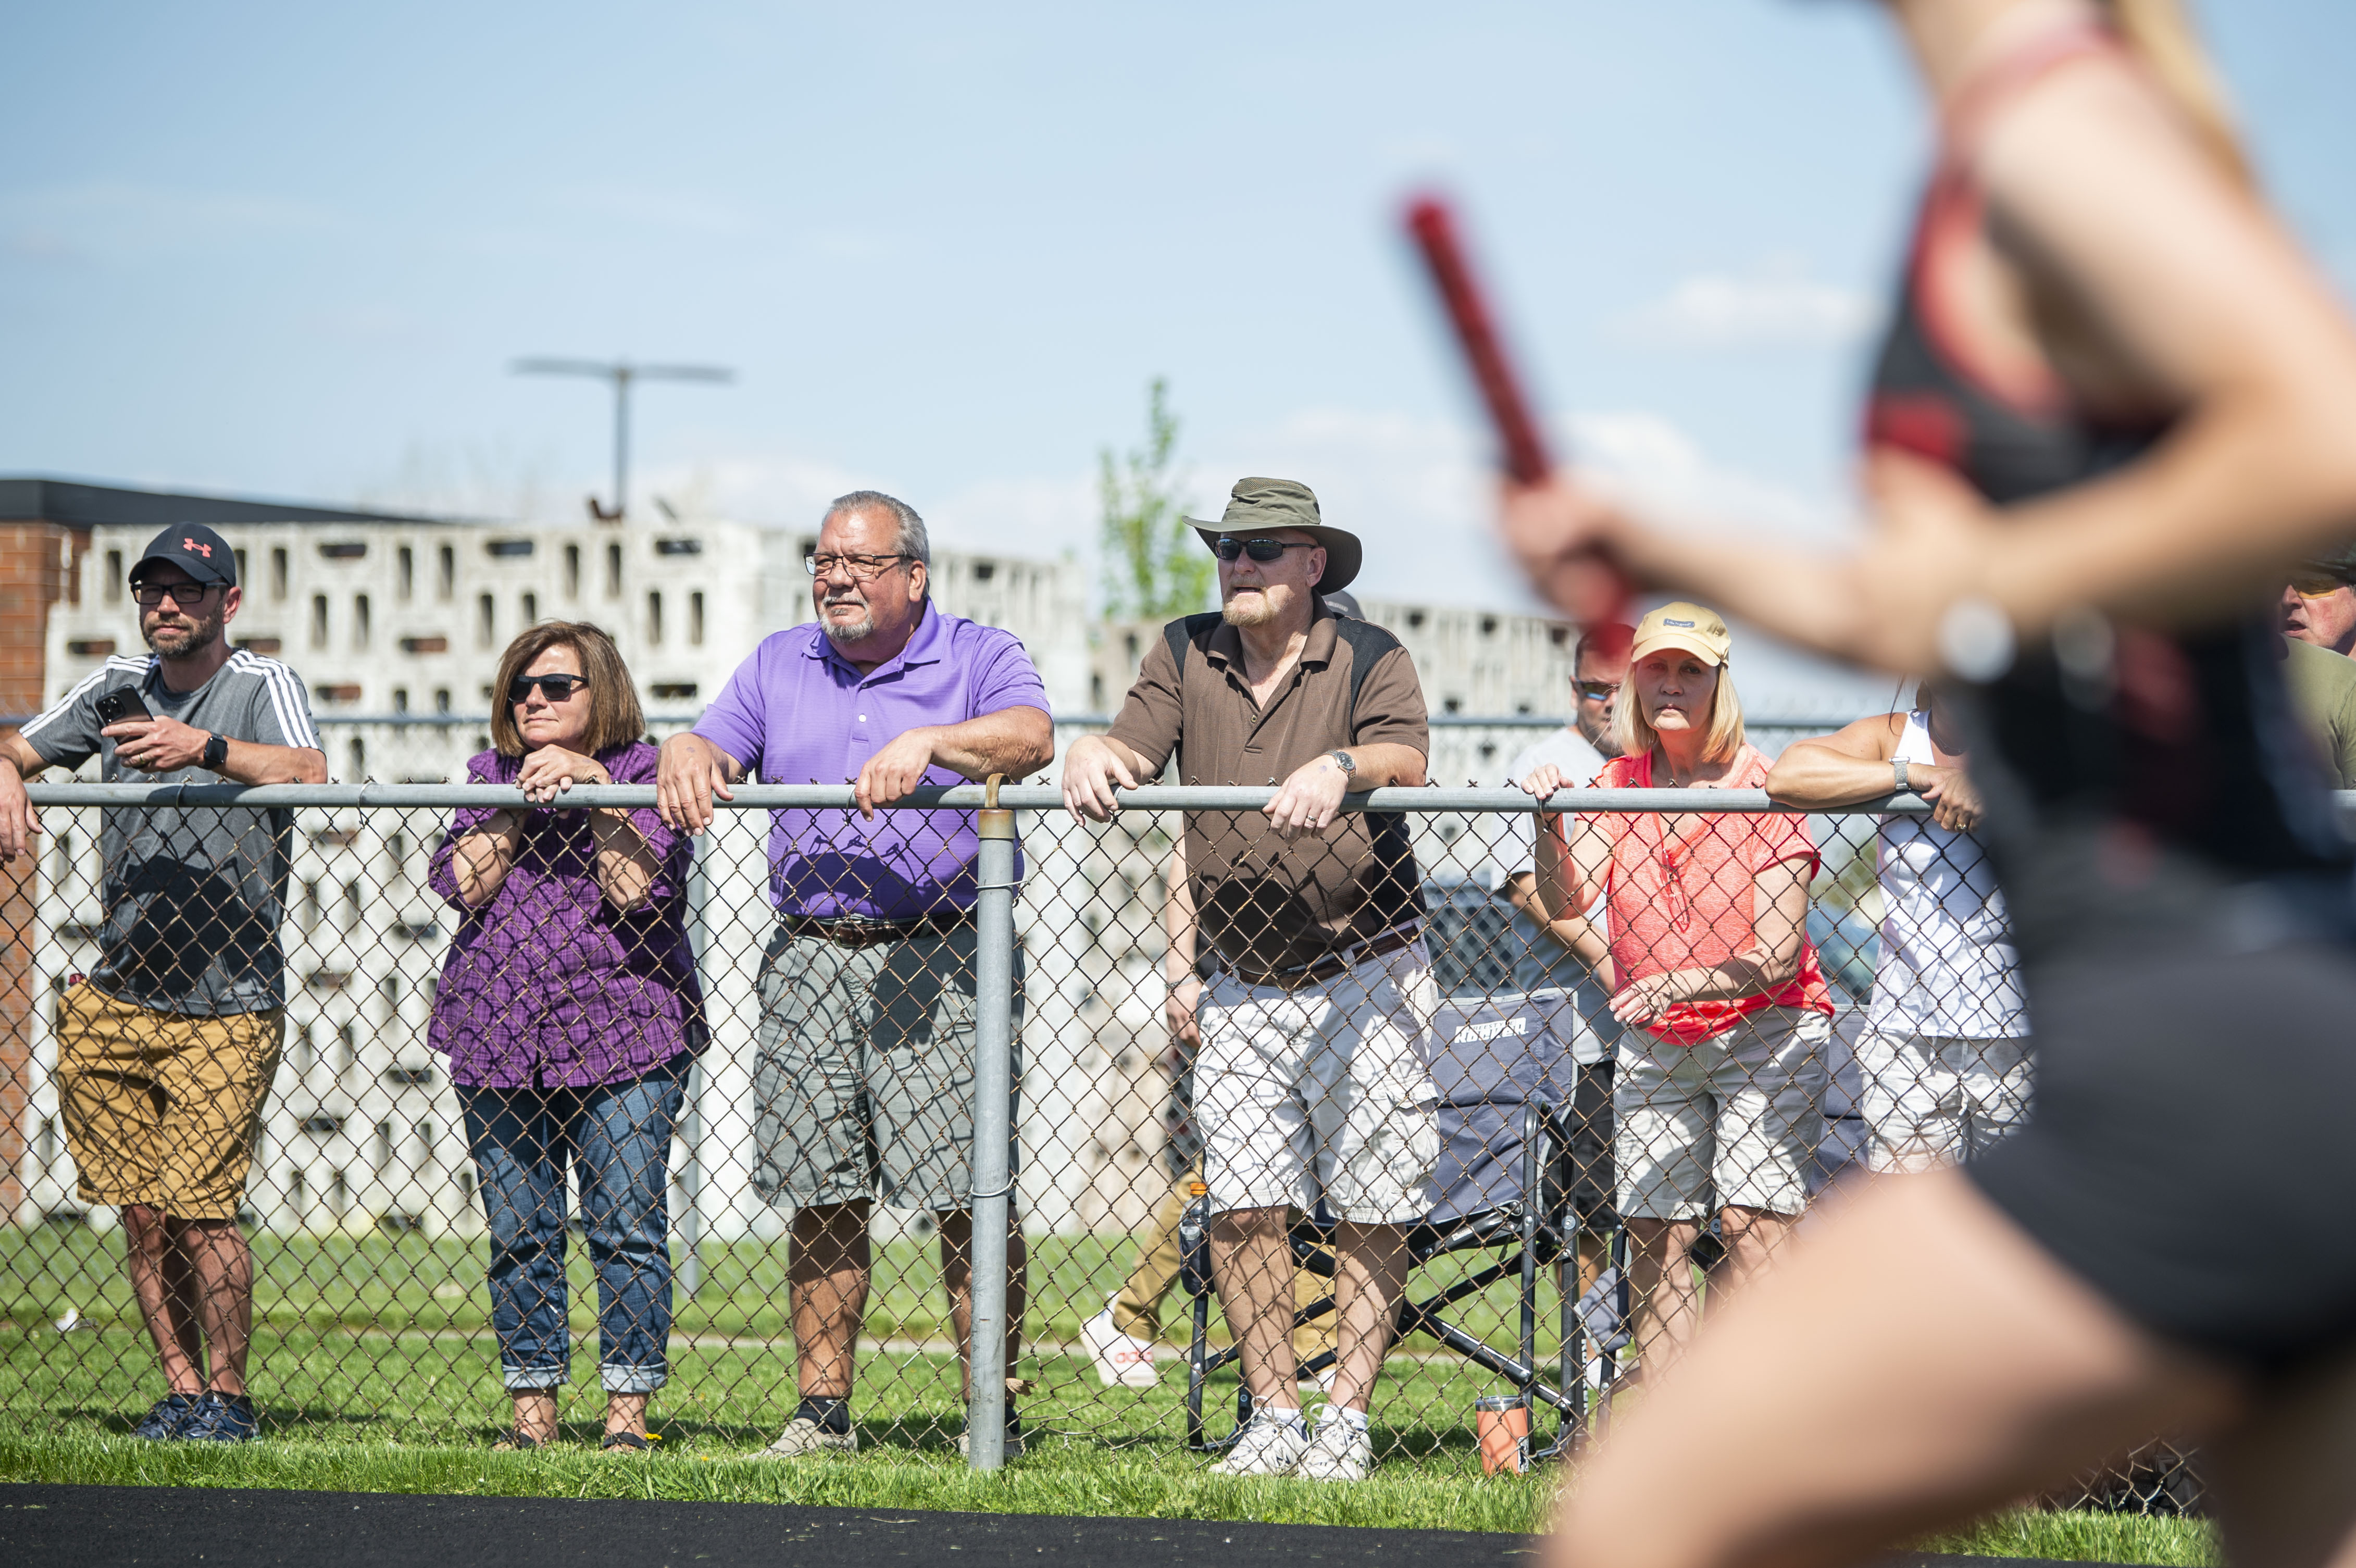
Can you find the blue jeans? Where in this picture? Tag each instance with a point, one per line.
(617, 1136)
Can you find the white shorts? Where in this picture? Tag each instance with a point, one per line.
(1730, 1122)
(1936, 1099)
(1322, 1092)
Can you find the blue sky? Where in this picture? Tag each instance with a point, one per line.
(289, 250)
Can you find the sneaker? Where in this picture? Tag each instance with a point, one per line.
(1014, 1438)
(803, 1437)
(222, 1418)
(169, 1419)
(1272, 1445)
(1341, 1450)
(1124, 1360)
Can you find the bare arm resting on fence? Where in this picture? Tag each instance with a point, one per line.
(152, 745)
(691, 774)
(1012, 741)
(1854, 765)
(1178, 961)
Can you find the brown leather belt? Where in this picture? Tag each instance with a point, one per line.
(1393, 941)
(853, 932)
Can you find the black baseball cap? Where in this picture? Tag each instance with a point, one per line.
(195, 549)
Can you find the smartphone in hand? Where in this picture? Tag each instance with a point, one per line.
(121, 705)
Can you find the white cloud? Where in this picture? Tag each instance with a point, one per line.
(1774, 305)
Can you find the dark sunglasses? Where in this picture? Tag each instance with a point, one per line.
(555, 688)
(1261, 550)
(1595, 691)
(151, 594)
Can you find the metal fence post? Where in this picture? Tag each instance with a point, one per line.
(993, 1132)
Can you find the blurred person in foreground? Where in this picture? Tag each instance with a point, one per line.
(1945, 1056)
(863, 1077)
(2111, 412)
(166, 1051)
(1718, 1096)
(570, 1011)
(1310, 1083)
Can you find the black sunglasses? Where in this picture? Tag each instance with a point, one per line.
(1263, 551)
(555, 688)
(1595, 691)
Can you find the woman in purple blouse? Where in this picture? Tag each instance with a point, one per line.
(569, 1008)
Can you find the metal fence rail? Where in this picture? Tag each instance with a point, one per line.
(369, 1198)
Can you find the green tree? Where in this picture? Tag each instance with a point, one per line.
(1154, 567)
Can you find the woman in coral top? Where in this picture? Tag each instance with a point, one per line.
(1719, 1090)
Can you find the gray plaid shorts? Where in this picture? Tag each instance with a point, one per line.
(862, 1071)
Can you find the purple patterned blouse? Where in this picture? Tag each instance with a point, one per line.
(548, 985)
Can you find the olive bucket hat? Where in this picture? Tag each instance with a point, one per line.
(1260, 506)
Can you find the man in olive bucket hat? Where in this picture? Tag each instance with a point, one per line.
(1310, 1082)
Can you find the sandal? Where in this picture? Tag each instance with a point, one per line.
(516, 1440)
(628, 1443)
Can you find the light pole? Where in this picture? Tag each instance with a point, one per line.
(621, 372)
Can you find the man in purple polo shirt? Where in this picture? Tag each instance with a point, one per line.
(862, 1078)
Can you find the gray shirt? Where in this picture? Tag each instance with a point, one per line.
(194, 895)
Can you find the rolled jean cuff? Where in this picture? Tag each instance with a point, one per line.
(634, 1379)
(520, 1380)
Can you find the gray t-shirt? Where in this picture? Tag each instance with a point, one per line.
(194, 895)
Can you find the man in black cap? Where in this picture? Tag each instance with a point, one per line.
(166, 1052)
(1310, 1085)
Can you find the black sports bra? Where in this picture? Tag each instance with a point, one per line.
(2132, 782)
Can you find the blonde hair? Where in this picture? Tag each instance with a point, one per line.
(2160, 35)
(1725, 736)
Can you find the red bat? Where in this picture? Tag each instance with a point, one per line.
(1522, 448)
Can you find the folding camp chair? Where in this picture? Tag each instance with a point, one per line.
(1502, 1065)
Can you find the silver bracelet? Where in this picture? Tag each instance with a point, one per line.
(1898, 772)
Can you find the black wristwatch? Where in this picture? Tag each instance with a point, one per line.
(216, 752)
(1345, 762)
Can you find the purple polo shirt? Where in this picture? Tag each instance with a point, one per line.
(799, 713)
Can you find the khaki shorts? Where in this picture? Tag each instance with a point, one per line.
(1731, 1122)
(1935, 1099)
(160, 1109)
(1322, 1092)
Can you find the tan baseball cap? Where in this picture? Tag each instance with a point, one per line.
(1698, 631)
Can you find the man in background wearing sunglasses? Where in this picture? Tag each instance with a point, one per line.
(863, 1066)
(2319, 633)
(1310, 1084)
(165, 1052)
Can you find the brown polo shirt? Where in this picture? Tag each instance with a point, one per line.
(1266, 905)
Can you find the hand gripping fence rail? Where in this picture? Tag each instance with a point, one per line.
(1442, 1115)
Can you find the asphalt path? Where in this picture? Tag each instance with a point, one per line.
(97, 1527)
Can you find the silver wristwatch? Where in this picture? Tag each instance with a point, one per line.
(1898, 772)
(1345, 762)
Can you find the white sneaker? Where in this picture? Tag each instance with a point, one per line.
(803, 1437)
(1341, 1450)
(1272, 1445)
(1124, 1360)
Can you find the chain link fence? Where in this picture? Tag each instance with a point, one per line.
(617, 1125)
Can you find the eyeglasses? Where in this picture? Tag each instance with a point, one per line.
(555, 688)
(150, 595)
(2317, 585)
(1227, 548)
(862, 568)
(1596, 691)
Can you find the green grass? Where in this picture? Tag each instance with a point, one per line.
(375, 1371)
